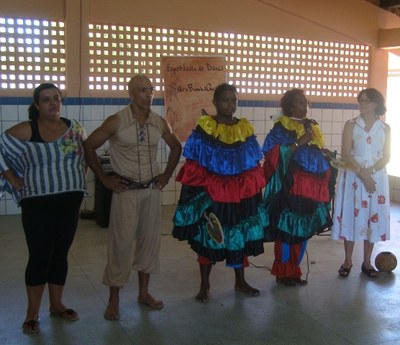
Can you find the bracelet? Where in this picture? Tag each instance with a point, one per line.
(296, 144)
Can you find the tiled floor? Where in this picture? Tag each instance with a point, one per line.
(330, 310)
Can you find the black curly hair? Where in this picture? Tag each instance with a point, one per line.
(288, 99)
(221, 88)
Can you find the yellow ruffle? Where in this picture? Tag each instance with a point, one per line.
(293, 125)
(228, 134)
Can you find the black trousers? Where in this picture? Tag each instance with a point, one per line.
(50, 224)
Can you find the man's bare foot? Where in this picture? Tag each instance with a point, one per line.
(202, 296)
(112, 312)
(247, 289)
(150, 301)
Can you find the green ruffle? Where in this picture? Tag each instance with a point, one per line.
(249, 230)
(191, 212)
(304, 226)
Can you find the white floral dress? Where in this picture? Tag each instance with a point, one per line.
(359, 215)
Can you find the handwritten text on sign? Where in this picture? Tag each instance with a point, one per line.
(189, 84)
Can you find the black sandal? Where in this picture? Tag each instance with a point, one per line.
(31, 326)
(67, 314)
(370, 272)
(344, 272)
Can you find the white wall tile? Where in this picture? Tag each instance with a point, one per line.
(259, 128)
(337, 115)
(326, 115)
(315, 114)
(396, 180)
(12, 207)
(171, 186)
(248, 113)
(111, 110)
(90, 126)
(88, 203)
(8, 124)
(168, 198)
(326, 127)
(93, 112)
(272, 113)
(328, 140)
(23, 113)
(336, 141)
(337, 127)
(158, 109)
(238, 113)
(178, 193)
(73, 112)
(350, 114)
(259, 114)
(3, 210)
(9, 113)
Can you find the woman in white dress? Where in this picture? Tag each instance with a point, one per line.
(362, 204)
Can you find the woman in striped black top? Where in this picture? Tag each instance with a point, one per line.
(42, 166)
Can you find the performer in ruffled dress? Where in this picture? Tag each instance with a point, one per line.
(221, 183)
(297, 195)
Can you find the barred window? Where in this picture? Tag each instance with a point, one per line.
(255, 64)
(32, 51)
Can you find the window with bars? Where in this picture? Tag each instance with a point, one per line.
(255, 64)
(32, 52)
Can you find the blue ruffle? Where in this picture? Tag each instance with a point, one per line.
(278, 136)
(220, 158)
(309, 158)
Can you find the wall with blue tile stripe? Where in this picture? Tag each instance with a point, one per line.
(91, 112)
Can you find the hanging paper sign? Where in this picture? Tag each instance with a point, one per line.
(189, 84)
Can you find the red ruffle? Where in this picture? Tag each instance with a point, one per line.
(222, 188)
(311, 186)
(271, 162)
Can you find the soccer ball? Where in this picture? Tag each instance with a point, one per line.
(385, 262)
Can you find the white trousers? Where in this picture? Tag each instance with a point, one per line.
(134, 235)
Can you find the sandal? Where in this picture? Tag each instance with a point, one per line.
(31, 326)
(67, 314)
(344, 272)
(301, 282)
(370, 272)
(286, 281)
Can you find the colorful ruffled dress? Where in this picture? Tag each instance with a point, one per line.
(299, 189)
(222, 175)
